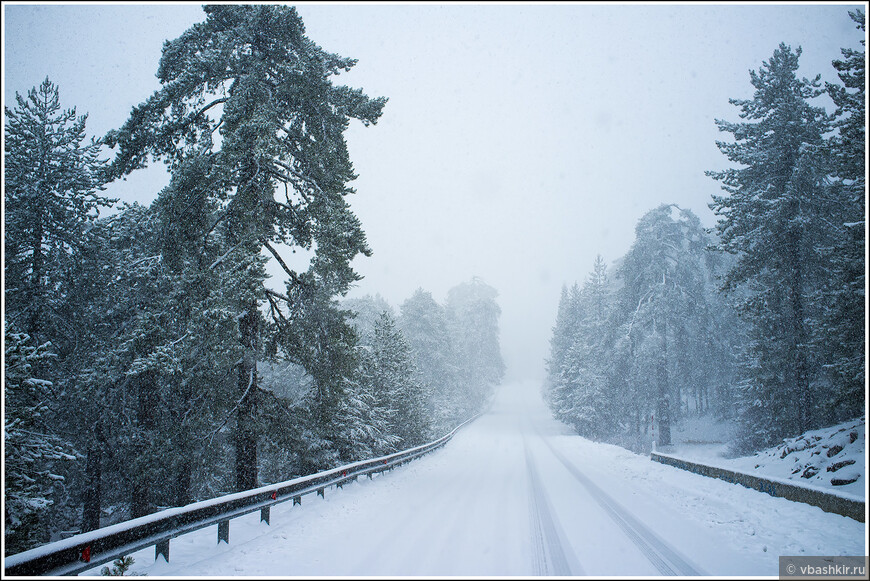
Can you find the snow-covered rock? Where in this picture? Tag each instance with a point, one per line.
(831, 458)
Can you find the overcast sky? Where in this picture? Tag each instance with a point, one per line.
(519, 140)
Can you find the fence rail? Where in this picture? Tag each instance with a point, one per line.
(85, 551)
(827, 501)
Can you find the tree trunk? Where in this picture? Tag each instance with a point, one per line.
(246, 436)
(182, 484)
(93, 490)
(798, 364)
(183, 479)
(141, 501)
(663, 407)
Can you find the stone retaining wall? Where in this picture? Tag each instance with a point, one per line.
(828, 502)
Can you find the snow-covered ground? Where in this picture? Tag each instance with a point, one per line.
(517, 494)
(830, 458)
(701, 438)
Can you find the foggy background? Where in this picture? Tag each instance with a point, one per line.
(518, 142)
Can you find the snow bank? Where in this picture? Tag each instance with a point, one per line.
(831, 459)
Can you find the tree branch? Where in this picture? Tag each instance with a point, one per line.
(293, 276)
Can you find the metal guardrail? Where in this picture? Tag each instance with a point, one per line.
(85, 551)
(825, 500)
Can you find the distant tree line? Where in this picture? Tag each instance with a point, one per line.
(147, 362)
(760, 319)
(653, 341)
(453, 351)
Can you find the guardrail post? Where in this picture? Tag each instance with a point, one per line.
(224, 532)
(264, 514)
(297, 500)
(162, 548)
(320, 492)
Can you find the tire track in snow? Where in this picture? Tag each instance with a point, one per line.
(548, 556)
(451, 523)
(662, 556)
(412, 529)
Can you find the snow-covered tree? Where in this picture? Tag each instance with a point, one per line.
(582, 381)
(394, 382)
(423, 323)
(653, 340)
(112, 298)
(564, 331)
(367, 310)
(772, 217)
(277, 177)
(557, 389)
(31, 447)
(472, 315)
(320, 338)
(839, 334)
(52, 182)
(663, 304)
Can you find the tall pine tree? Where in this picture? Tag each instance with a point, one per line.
(424, 325)
(53, 179)
(472, 315)
(771, 219)
(839, 334)
(52, 182)
(278, 175)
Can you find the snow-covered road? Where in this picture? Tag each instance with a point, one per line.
(517, 494)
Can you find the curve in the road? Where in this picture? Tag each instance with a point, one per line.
(665, 559)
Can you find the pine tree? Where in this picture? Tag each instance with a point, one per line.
(838, 334)
(395, 383)
(472, 315)
(423, 323)
(649, 342)
(113, 299)
(559, 386)
(371, 416)
(368, 416)
(367, 310)
(199, 346)
(52, 182)
(597, 291)
(278, 177)
(320, 338)
(52, 185)
(662, 308)
(563, 334)
(771, 219)
(592, 412)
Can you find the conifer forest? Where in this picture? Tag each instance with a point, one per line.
(150, 361)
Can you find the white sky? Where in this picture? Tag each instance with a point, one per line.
(519, 140)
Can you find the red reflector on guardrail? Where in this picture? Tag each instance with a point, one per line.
(86, 554)
(274, 494)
